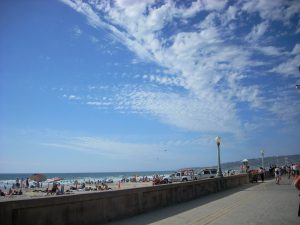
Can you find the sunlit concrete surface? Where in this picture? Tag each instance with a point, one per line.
(259, 203)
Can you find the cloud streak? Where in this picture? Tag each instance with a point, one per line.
(212, 67)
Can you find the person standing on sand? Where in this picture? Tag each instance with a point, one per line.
(27, 182)
(10, 192)
(17, 182)
(22, 182)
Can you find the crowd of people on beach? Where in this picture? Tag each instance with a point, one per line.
(16, 188)
(91, 186)
(20, 183)
(22, 186)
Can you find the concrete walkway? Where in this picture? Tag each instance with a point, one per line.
(261, 203)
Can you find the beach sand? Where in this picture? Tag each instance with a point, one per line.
(37, 192)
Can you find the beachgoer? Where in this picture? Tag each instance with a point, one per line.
(17, 182)
(289, 171)
(2, 193)
(62, 189)
(27, 182)
(277, 175)
(54, 188)
(297, 185)
(294, 170)
(262, 174)
(76, 183)
(104, 187)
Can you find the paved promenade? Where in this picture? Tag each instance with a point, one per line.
(261, 203)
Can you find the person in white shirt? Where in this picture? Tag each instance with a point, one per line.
(277, 175)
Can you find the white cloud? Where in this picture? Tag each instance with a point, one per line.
(298, 27)
(120, 150)
(289, 68)
(186, 112)
(286, 107)
(270, 50)
(71, 97)
(276, 10)
(205, 62)
(102, 103)
(296, 50)
(77, 31)
(94, 39)
(86, 10)
(213, 4)
(258, 31)
(103, 146)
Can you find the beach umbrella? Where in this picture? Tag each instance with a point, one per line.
(38, 177)
(54, 179)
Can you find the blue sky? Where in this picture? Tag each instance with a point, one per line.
(99, 86)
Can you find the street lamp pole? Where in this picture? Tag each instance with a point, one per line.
(262, 159)
(219, 172)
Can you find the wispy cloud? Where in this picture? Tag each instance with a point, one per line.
(103, 146)
(213, 68)
(186, 112)
(72, 97)
(289, 67)
(77, 31)
(257, 31)
(275, 11)
(115, 149)
(94, 39)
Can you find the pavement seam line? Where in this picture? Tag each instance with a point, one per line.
(211, 217)
(260, 187)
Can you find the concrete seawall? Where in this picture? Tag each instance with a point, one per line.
(102, 207)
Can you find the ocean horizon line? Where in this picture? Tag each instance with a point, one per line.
(141, 171)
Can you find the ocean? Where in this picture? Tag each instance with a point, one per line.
(8, 179)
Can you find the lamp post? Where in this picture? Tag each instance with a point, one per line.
(262, 158)
(219, 172)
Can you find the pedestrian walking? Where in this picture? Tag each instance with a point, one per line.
(289, 172)
(262, 174)
(277, 174)
(297, 185)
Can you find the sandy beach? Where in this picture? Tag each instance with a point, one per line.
(28, 193)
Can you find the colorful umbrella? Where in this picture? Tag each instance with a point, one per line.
(38, 177)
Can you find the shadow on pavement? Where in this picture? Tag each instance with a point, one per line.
(157, 215)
